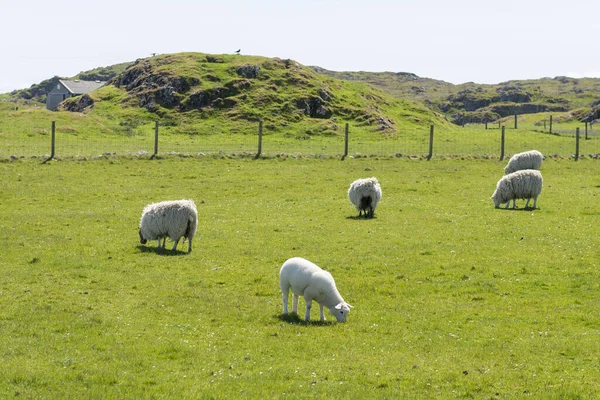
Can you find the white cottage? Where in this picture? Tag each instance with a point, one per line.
(69, 88)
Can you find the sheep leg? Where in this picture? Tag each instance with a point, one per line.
(189, 246)
(507, 205)
(285, 295)
(308, 307)
(322, 309)
(175, 245)
(534, 202)
(527, 203)
(295, 298)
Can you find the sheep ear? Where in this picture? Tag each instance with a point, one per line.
(338, 306)
(351, 306)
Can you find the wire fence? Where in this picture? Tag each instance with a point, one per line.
(47, 139)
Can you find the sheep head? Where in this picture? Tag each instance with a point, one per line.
(142, 240)
(340, 311)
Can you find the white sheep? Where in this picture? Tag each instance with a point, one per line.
(308, 280)
(173, 219)
(524, 184)
(365, 194)
(527, 160)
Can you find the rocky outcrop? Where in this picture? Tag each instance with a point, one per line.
(474, 117)
(219, 97)
(154, 89)
(77, 104)
(506, 109)
(248, 71)
(314, 107)
(513, 94)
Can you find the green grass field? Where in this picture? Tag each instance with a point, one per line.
(453, 298)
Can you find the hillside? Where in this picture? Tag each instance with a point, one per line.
(284, 92)
(38, 91)
(205, 89)
(471, 102)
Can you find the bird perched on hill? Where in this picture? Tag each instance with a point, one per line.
(238, 51)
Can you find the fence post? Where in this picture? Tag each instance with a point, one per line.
(345, 143)
(430, 143)
(550, 123)
(586, 135)
(515, 121)
(155, 140)
(52, 142)
(260, 132)
(576, 144)
(544, 125)
(486, 125)
(502, 145)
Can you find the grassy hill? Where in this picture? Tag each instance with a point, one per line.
(476, 103)
(203, 89)
(197, 93)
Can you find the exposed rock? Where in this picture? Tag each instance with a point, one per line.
(474, 117)
(313, 107)
(513, 94)
(204, 98)
(77, 104)
(236, 86)
(213, 59)
(248, 71)
(506, 109)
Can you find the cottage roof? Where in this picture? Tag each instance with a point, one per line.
(81, 87)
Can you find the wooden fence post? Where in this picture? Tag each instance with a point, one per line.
(550, 123)
(430, 143)
(155, 140)
(345, 143)
(586, 135)
(502, 145)
(53, 140)
(515, 121)
(260, 133)
(486, 125)
(576, 144)
(52, 143)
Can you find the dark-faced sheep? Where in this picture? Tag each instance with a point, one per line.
(173, 219)
(365, 194)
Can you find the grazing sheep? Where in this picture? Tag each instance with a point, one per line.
(310, 281)
(527, 160)
(172, 219)
(525, 184)
(365, 195)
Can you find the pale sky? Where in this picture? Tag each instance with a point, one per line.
(456, 41)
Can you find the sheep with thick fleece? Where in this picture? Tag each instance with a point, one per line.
(306, 279)
(527, 160)
(173, 219)
(365, 194)
(524, 184)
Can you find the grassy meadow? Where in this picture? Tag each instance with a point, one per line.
(453, 298)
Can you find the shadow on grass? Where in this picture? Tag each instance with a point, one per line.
(362, 217)
(520, 209)
(161, 252)
(295, 319)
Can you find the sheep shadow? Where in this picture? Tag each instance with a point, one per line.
(294, 319)
(361, 217)
(160, 251)
(520, 209)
